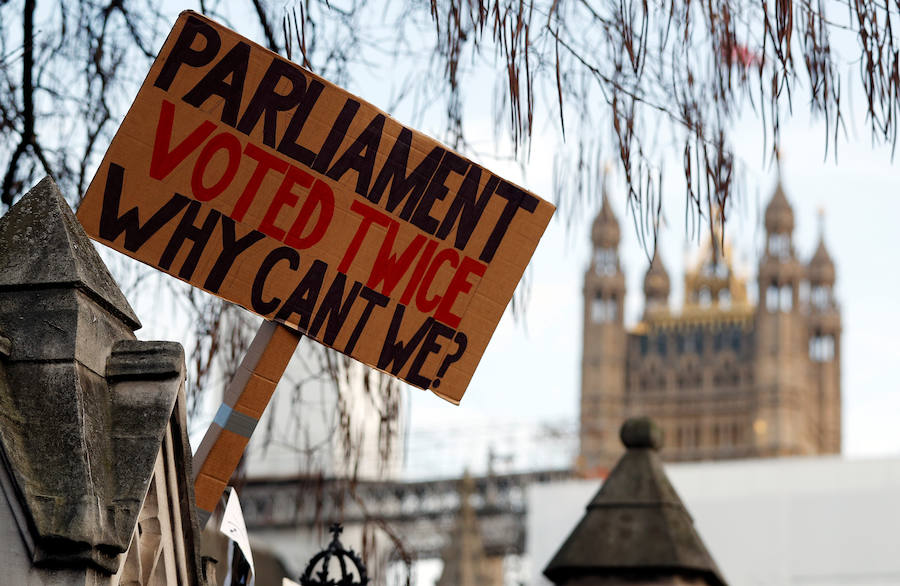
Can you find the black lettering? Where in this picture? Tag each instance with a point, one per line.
(436, 190)
(288, 144)
(467, 208)
(515, 199)
(334, 308)
(373, 298)
(394, 173)
(182, 54)
(394, 354)
(266, 102)
(186, 230)
(303, 300)
(335, 136)
(233, 64)
(429, 346)
(363, 164)
(112, 224)
(231, 249)
(259, 305)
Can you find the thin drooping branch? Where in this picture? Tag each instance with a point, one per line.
(27, 138)
(263, 18)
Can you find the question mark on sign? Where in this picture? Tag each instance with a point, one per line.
(461, 343)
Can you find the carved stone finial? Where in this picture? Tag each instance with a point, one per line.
(641, 432)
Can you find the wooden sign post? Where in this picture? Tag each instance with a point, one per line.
(244, 401)
(250, 177)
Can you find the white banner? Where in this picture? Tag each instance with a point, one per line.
(234, 528)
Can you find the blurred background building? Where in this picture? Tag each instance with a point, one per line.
(725, 378)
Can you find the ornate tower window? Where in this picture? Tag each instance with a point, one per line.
(821, 348)
(772, 298)
(779, 298)
(780, 245)
(820, 296)
(786, 302)
(604, 310)
(605, 261)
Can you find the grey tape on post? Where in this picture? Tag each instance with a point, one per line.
(235, 421)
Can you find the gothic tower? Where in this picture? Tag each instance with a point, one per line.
(785, 420)
(656, 288)
(722, 377)
(825, 345)
(604, 346)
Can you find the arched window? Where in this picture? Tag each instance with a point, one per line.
(821, 348)
(604, 310)
(605, 261)
(772, 298)
(780, 245)
(786, 302)
(821, 296)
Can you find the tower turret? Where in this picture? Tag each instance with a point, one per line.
(779, 213)
(604, 346)
(782, 425)
(656, 287)
(824, 344)
(779, 271)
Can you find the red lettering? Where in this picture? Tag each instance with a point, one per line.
(265, 162)
(458, 285)
(369, 215)
(418, 272)
(163, 161)
(220, 142)
(388, 268)
(320, 196)
(284, 197)
(423, 303)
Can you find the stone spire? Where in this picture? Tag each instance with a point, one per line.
(636, 527)
(656, 284)
(605, 230)
(821, 267)
(45, 246)
(779, 213)
(465, 563)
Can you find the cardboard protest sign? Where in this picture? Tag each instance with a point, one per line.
(260, 182)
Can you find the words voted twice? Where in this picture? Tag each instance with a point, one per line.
(254, 179)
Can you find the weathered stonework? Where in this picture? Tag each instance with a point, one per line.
(636, 530)
(84, 408)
